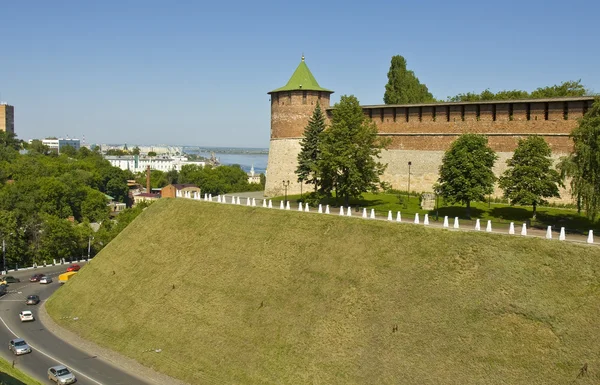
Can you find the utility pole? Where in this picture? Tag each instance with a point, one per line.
(4, 256)
(89, 246)
(409, 164)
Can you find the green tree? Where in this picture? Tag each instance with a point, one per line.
(583, 164)
(403, 86)
(151, 153)
(565, 89)
(94, 208)
(59, 239)
(38, 147)
(350, 149)
(309, 152)
(466, 172)
(69, 151)
(135, 151)
(530, 177)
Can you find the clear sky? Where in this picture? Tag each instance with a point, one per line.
(198, 72)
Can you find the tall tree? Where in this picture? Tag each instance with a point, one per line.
(350, 149)
(583, 164)
(568, 88)
(403, 86)
(466, 172)
(530, 177)
(309, 152)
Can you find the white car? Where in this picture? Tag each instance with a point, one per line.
(46, 279)
(26, 315)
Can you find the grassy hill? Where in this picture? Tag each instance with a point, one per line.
(241, 295)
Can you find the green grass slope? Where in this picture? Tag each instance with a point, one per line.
(10, 375)
(242, 295)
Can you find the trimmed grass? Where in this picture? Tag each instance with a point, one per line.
(13, 376)
(498, 213)
(242, 295)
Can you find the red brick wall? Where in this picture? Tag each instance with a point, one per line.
(290, 111)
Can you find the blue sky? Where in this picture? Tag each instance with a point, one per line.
(198, 73)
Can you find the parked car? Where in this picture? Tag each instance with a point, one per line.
(26, 315)
(46, 279)
(32, 299)
(18, 346)
(10, 279)
(3, 289)
(74, 267)
(61, 375)
(36, 277)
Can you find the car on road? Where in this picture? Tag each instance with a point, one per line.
(32, 299)
(46, 279)
(3, 289)
(74, 267)
(61, 375)
(18, 346)
(8, 279)
(36, 277)
(26, 315)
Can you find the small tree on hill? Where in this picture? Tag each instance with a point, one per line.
(530, 177)
(403, 86)
(349, 150)
(309, 153)
(466, 172)
(583, 165)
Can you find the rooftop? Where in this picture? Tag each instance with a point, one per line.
(302, 79)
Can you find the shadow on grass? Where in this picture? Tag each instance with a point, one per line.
(457, 211)
(6, 379)
(511, 213)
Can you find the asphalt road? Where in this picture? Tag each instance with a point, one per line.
(49, 350)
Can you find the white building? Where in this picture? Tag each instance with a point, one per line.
(136, 163)
(57, 144)
(252, 177)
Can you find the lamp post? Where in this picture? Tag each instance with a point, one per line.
(286, 184)
(89, 246)
(409, 164)
(4, 256)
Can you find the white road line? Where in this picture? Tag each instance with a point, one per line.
(49, 356)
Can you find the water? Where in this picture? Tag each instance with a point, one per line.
(243, 157)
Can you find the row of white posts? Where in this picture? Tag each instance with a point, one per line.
(371, 215)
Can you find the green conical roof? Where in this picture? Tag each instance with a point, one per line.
(302, 79)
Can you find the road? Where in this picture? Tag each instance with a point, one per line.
(49, 350)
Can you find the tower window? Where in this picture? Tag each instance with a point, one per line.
(303, 97)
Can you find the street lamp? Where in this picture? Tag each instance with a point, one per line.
(89, 246)
(409, 164)
(4, 256)
(286, 184)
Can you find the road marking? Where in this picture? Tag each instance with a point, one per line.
(49, 356)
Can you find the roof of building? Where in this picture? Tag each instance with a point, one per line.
(180, 186)
(302, 79)
(512, 101)
(147, 195)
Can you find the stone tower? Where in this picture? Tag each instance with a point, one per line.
(291, 107)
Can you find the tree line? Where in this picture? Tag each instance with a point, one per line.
(341, 160)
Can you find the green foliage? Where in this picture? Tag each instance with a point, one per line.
(117, 152)
(350, 149)
(568, 88)
(466, 172)
(309, 153)
(151, 153)
(530, 177)
(158, 179)
(135, 151)
(403, 86)
(59, 239)
(69, 151)
(217, 180)
(583, 164)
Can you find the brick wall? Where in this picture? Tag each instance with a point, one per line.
(290, 111)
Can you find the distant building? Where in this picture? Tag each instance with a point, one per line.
(7, 118)
(142, 197)
(181, 190)
(252, 177)
(137, 163)
(58, 144)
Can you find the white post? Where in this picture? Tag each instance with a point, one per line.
(210, 197)
(265, 203)
(390, 216)
(590, 237)
(477, 225)
(306, 209)
(562, 235)
(524, 229)
(417, 218)
(287, 205)
(446, 225)
(549, 233)
(372, 213)
(511, 228)
(456, 225)
(341, 210)
(488, 228)
(320, 209)
(270, 204)
(205, 197)
(300, 206)
(399, 217)
(281, 205)
(426, 220)
(253, 202)
(238, 201)
(349, 213)
(364, 212)
(247, 201)
(327, 209)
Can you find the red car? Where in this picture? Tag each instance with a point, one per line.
(74, 267)
(36, 277)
